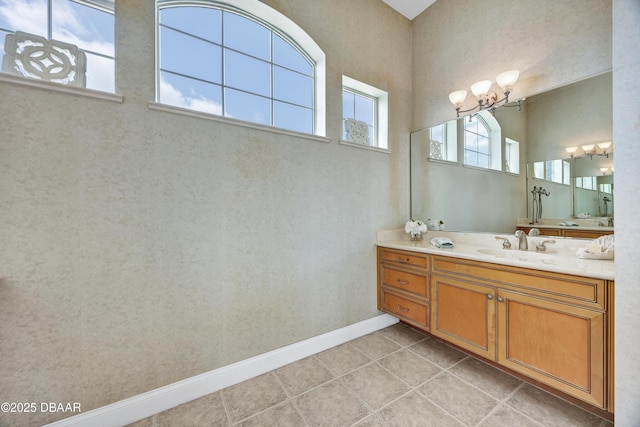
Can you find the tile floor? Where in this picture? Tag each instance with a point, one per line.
(393, 377)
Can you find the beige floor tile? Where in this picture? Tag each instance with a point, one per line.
(147, 422)
(206, 411)
(413, 410)
(484, 376)
(372, 421)
(438, 352)
(331, 404)
(283, 415)
(549, 410)
(505, 416)
(375, 385)
(303, 375)
(402, 334)
(253, 396)
(459, 398)
(375, 345)
(410, 367)
(343, 358)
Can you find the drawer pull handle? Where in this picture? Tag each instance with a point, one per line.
(403, 282)
(403, 259)
(403, 310)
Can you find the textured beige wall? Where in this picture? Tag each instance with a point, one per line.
(139, 247)
(459, 42)
(626, 134)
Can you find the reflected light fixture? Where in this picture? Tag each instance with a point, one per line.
(605, 170)
(487, 99)
(590, 150)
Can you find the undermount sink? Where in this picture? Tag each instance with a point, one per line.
(516, 254)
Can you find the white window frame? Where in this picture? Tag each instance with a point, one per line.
(379, 141)
(276, 21)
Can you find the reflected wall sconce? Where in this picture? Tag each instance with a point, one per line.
(605, 170)
(487, 99)
(590, 150)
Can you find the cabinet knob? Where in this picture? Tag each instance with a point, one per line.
(500, 299)
(489, 296)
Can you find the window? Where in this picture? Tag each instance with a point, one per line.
(85, 24)
(444, 141)
(586, 182)
(482, 141)
(364, 114)
(240, 63)
(512, 156)
(558, 171)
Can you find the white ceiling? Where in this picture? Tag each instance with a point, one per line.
(410, 8)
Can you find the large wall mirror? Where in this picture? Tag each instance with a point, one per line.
(468, 198)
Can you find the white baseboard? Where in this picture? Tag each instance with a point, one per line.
(144, 405)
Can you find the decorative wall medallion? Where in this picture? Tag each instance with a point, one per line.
(36, 57)
(357, 131)
(435, 150)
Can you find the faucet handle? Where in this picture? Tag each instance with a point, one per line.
(506, 244)
(540, 247)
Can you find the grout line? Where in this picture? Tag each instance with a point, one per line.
(226, 407)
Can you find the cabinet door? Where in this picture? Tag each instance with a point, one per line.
(556, 344)
(463, 313)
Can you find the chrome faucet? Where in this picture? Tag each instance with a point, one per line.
(522, 240)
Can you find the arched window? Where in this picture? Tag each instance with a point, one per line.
(482, 141)
(249, 63)
(64, 41)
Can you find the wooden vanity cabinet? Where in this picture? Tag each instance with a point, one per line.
(547, 326)
(553, 328)
(543, 231)
(403, 286)
(568, 232)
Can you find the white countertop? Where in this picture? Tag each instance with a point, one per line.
(560, 256)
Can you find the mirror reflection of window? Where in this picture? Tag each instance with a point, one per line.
(477, 150)
(606, 188)
(482, 141)
(512, 156)
(538, 170)
(444, 141)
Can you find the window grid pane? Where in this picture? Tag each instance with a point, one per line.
(361, 107)
(89, 28)
(477, 147)
(261, 73)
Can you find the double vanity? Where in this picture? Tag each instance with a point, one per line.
(546, 317)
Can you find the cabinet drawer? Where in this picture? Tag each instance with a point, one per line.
(410, 259)
(586, 234)
(405, 309)
(410, 282)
